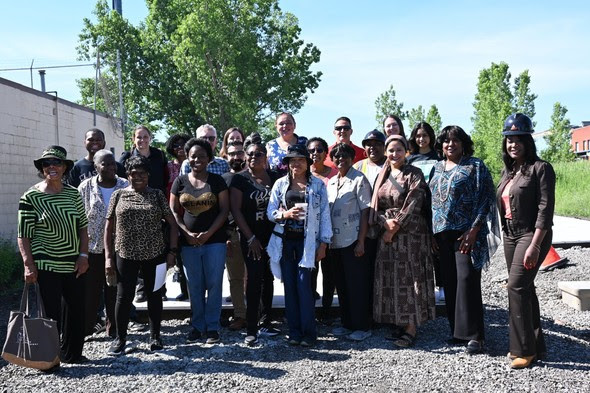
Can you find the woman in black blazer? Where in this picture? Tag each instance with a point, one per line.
(526, 199)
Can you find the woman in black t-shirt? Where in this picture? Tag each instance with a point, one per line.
(205, 200)
(249, 194)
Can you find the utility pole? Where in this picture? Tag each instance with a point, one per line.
(118, 6)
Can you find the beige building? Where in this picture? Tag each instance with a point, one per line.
(30, 120)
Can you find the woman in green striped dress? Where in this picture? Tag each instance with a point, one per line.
(53, 241)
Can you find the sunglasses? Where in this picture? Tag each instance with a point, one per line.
(209, 138)
(256, 154)
(51, 162)
(343, 128)
(178, 146)
(318, 150)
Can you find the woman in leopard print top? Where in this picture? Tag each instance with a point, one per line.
(135, 219)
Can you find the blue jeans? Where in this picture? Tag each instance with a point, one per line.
(203, 267)
(299, 301)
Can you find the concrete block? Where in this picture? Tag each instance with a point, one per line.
(575, 294)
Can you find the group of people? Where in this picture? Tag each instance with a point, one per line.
(381, 221)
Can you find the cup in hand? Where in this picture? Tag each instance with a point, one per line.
(303, 212)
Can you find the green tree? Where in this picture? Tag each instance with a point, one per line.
(559, 148)
(387, 104)
(416, 115)
(433, 118)
(493, 103)
(524, 99)
(228, 63)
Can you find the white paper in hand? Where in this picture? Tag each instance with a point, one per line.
(160, 276)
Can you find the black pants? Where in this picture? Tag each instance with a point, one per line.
(259, 290)
(95, 287)
(462, 288)
(56, 287)
(526, 336)
(181, 275)
(328, 283)
(352, 281)
(127, 271)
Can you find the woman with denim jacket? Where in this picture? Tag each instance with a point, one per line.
(299, 207)
(526, 199)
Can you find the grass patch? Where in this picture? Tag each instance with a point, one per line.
(11, 266)
(572, 189)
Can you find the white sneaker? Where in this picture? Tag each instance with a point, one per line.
(359, 335)
(341, 331)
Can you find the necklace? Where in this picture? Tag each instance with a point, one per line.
(453, 172)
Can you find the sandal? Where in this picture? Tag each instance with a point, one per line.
(395, 333)
(406, 340)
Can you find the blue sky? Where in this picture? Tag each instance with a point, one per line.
(430, 51)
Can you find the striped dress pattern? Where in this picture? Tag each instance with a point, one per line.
(52, 222)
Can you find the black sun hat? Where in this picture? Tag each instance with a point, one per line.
(53, 151)
(297, 151)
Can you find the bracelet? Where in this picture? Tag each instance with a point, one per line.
(251, 239)
(84, 255)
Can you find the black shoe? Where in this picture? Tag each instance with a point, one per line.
(474, 347)
(99, 327)
(193, 336)
(135, 326)
(182, 297)
(268, 331)
(79, 360)
(456, 341)
(212, 337)
(251, 340)
(164, 298)
(156, 344)
(117, 347)
(140, 298)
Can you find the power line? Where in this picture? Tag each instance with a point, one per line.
(39, 68)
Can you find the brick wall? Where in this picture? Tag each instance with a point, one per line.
(29, 121)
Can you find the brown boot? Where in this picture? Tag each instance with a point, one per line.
(522, 362)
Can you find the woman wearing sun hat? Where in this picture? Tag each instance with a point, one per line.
(299, 207)
(53, 242)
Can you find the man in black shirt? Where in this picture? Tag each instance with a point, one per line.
(234, 260)
(84, 168)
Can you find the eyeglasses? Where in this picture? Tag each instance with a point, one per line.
(209, 138)
(343, 128)
(51, 162)
(256, 154)
(318, 150)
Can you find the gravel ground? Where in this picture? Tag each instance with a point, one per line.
(335, 365)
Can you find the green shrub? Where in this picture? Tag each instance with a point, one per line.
(572, 189)
(11, 266)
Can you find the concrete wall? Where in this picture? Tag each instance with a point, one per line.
(29, 121)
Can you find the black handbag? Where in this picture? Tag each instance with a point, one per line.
(31, 342)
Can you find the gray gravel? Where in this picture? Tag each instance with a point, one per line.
(336, 365)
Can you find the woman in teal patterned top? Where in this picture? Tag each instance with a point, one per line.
(462, 204)
(53, 241)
